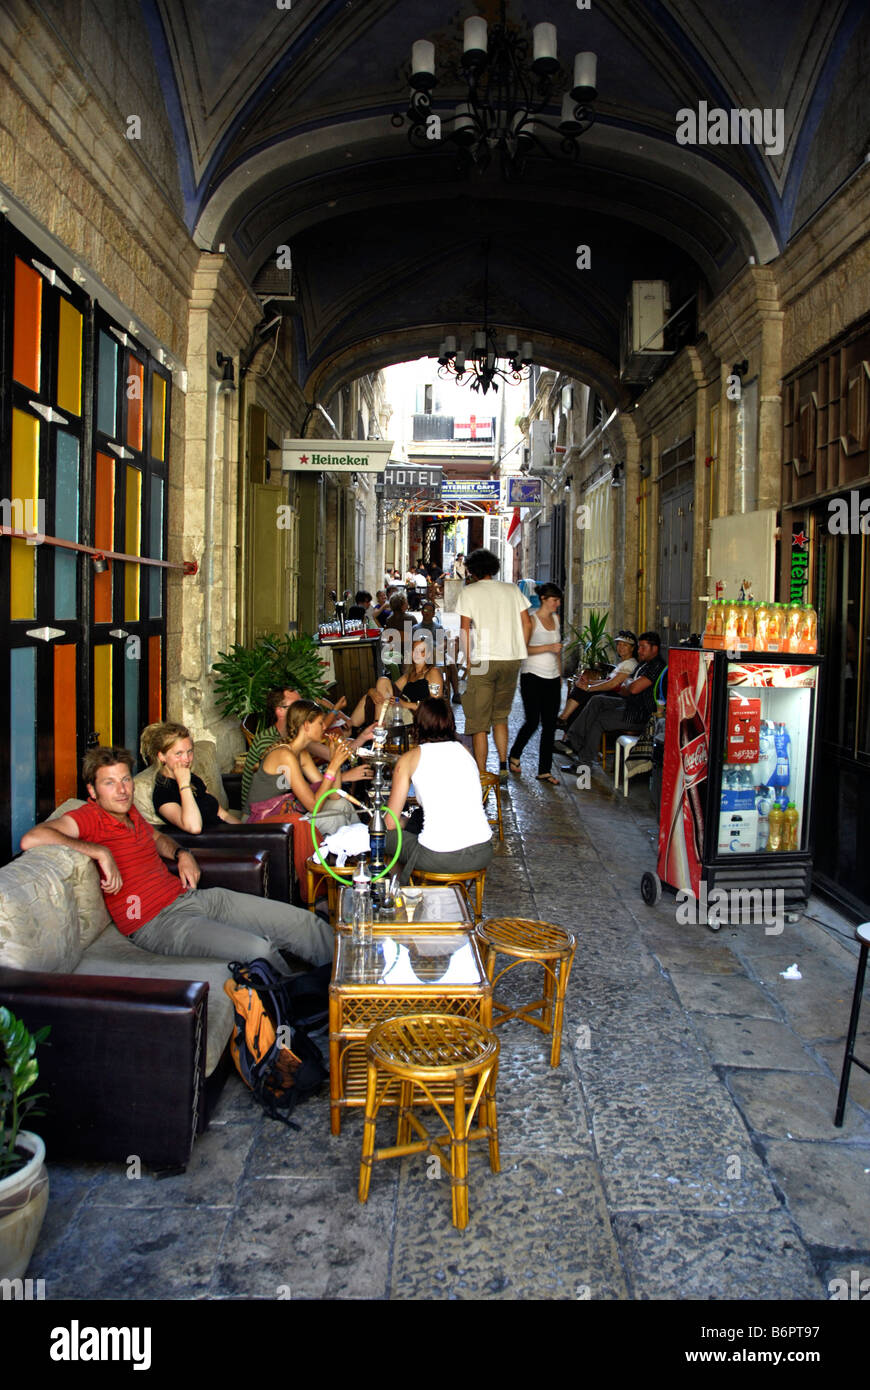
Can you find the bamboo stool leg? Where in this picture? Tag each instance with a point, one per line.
(368, 1144)
(492, 1119)
(403, 1132)
(459, 1157)
(564, 967)
(549, 986)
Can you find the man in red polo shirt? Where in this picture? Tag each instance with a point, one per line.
(152, 908)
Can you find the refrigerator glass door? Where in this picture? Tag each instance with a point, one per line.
(766, 759)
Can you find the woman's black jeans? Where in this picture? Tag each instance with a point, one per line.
(541, 698)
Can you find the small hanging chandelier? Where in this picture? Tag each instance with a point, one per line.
(505, 97)
(481, 367)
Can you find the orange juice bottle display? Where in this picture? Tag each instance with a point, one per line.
(793, 624)
(709, 624)
(730, 625)
(762, 616)
(774, 827)
(811, 630)
(790, 819)
(774, 627)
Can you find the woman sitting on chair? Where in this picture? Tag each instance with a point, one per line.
(287, 784)
(456, 834)
(419, 680)
(179, 797)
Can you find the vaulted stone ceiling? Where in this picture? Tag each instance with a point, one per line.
(283, 132)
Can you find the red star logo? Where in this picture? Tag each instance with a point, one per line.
(800, 540)
(303, 458)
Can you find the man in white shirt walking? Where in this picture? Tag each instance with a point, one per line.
(502, 627)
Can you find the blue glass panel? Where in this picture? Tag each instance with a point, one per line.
(22, 740)
(132, 667)
(66, 524)
(107, 385)
(155, 549)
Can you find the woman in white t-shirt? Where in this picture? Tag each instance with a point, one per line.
(456, 834)
(583, 689)
(541, 683)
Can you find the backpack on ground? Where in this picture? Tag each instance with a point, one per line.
(271, 1048)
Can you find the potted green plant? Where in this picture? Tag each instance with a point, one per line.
(590, 645)
(245, 675)
(23, 1176)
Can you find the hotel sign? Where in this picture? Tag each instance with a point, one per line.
(405, 480)
(335, 455)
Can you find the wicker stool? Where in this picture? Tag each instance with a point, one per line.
(475, 876)
(442, 1055)
(489, 783)
(554, 948)
(315, 876)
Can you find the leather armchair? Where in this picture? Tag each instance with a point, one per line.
(272, 838)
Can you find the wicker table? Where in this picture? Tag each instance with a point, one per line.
(404, 971)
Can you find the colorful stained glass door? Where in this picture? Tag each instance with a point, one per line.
(42, 672)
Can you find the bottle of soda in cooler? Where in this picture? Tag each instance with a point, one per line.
(810, 638)
(774, 821)
(790, 819)
(762, 617)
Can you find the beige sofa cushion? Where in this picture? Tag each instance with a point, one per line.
(205, 765)
(93, 914)
(39, 921)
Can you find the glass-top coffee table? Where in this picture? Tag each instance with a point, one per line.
(403, 971)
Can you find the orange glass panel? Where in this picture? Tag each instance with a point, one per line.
(69, 359)
(134, 389)
(24, 513)
(103, 694)
(132, 533)
(27, 333)
(65, 757)
(158, 417)
(155, 681)
(104, 514)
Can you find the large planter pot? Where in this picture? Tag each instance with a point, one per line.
(23, 1200)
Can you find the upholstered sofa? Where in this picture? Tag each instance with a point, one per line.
(274, 837)
(137, 1048)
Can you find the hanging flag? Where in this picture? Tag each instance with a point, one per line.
(515, 523)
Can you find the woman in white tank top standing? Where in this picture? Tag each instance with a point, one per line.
(541, 683)
(456, 834)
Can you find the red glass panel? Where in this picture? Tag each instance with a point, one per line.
(27, 332)
(65, 753)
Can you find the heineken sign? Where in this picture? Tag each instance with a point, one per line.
(335, 455)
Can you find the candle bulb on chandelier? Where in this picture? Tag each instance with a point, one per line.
(585, 77)
(544, 56)
(474, 40)
(423, 63)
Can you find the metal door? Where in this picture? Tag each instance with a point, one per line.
(675, 565)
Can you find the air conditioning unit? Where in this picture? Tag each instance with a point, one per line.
(542, 447)
(643, 350)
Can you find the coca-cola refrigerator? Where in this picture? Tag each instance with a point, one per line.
(737, 781)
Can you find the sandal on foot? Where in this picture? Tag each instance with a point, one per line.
(514, 765)
(548, 777)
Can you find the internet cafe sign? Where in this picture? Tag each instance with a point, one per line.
(335, 455)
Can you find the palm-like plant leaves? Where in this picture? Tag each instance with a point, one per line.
(245, 675)
(18, 1072)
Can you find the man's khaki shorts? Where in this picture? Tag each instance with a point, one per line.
(488, 697)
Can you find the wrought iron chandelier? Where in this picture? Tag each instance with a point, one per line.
(506, 96)
(480, 367)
